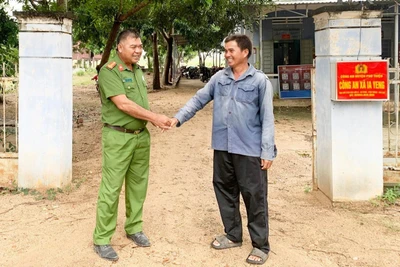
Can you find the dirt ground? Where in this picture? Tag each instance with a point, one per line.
(181, 216)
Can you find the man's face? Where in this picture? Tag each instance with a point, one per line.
(234, 55)
(130, 50)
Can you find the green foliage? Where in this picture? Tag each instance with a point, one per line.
(307, 189)
(9, 56)
(83, 77)
(80, 73)
(10, 147)
(204, 23)
(95, 18)
(8, 29)
(44, 5)
(391, 195)
(79, 182)
(49, 194)
(8, 43)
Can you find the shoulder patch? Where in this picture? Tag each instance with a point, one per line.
(111, 65)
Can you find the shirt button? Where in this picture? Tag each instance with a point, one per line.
(232, 98)
(229, 112)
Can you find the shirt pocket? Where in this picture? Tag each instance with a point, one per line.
(223, 87)
(132, 91)
(246, 93)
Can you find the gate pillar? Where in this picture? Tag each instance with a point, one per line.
(349, 155)
(45, 99)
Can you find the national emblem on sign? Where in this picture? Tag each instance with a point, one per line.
(361, 69)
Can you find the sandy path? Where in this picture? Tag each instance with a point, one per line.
(181, 215)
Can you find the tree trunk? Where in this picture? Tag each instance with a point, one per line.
(168, 62)
(200, 59)
(156, 63)
(62, 5)
(107, 50)
(149, 64)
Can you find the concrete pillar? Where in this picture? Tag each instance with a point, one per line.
(45, 99)
(349, 157)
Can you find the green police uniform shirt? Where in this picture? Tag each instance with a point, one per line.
(116, 79)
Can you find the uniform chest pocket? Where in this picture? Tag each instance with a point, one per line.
(131, 90)
(223, 87)
(129, 85)
(246, 93)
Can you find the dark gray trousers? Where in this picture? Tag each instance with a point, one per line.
(234, 175)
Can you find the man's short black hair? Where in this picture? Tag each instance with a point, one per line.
(243, 41)
(127, 33)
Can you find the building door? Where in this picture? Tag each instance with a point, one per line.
(286, 53)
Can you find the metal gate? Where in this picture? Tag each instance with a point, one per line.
(8, 125)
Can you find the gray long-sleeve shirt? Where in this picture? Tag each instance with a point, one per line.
(243, 119)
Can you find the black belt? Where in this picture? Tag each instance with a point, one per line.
(122, 129)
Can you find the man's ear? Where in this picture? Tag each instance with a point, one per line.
(246, 51)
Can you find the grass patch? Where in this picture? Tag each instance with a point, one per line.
(286, 112)
(79, 182)
(83, 77)
(307, 189)
(303, 154)
(49, 194)
(391, 195)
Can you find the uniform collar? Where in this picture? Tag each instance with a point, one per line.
(121, 65)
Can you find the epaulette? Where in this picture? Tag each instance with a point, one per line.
(111, 65)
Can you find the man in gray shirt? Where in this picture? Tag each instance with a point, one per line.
(243, 143)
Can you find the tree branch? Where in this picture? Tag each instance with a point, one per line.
(137, 8)
(165, 35)
(35, 6)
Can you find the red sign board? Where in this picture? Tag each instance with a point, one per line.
(362, 80)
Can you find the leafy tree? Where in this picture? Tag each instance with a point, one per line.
(8, 29)
(8, 42)
(44, 5)
(203, 23)
(99, 22)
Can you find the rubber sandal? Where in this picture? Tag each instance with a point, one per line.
(225, 243)
(258, 253)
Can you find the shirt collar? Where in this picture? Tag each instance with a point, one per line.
(249, 72)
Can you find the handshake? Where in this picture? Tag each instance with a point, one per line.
(163, 122)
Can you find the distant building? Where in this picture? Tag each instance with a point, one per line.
(84, 58)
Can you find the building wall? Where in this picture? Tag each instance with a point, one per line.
(285, 26)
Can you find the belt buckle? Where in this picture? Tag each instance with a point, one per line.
(136, 132)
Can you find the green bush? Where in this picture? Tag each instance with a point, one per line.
(8, 56)
(391, 195)
(80, 73)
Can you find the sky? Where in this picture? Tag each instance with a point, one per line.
(13, 6)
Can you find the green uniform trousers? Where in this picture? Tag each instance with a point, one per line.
(125, 157)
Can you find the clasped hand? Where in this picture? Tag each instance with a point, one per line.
(164, 123)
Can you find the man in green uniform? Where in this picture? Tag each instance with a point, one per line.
(126, 144)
